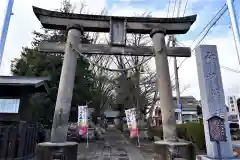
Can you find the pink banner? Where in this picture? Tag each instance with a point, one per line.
(134, 132)
(82, 130)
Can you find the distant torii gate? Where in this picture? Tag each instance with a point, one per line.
(118, 27)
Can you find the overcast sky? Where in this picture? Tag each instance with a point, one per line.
(24, 22)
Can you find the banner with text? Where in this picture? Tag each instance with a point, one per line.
(127, 112)
(82, 120)
(132, 122)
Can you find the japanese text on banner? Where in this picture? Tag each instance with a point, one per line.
(134, 130)
(132, 122)
(127, 112)
(82, 120)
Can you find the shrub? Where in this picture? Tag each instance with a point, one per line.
(156, 131)
(190, 131)
(194, 132)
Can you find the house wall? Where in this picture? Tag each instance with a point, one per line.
(233, 112)
(189, 110)
(232, 104)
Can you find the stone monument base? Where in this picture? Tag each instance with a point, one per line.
(180, 150)
(204, 157)
(49, 151)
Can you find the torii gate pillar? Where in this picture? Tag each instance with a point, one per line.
(164, 85)
(59, 130)
(169, 148)
(66, 84)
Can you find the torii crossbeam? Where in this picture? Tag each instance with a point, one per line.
(102, 49)
(118, 27)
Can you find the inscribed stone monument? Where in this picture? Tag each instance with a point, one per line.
(216, 127)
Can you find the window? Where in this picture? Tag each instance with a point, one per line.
(233, 110)
(176, 115)
(232, 117)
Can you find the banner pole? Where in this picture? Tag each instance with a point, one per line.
(87, 139)
(138, 129)
(87, 122)
(139, 141)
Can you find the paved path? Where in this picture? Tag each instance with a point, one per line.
(114, 147)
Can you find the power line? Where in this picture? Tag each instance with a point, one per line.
(213, 21)
(211, 24)
(185, 7)
(179, 7)
(230, 69)
(168, 7)
(223, 67)
(175, 3)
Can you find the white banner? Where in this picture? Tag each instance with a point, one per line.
(133, 118)
(128, 118)
(83, 119)
(132, 122)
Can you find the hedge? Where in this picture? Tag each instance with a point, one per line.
(190, 131)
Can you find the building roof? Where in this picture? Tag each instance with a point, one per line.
(111, 113)
(18, 85)
(22, 80)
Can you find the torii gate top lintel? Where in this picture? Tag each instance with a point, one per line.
(99, 23)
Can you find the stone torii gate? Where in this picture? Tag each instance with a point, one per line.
(118, 27)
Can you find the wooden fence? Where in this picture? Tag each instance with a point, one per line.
(17, 142)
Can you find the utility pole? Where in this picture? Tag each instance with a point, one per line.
(173, 39)
(235, 28)
(5, 27)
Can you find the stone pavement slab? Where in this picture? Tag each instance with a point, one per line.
(113, 147)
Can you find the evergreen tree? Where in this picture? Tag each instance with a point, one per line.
(34, 63)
